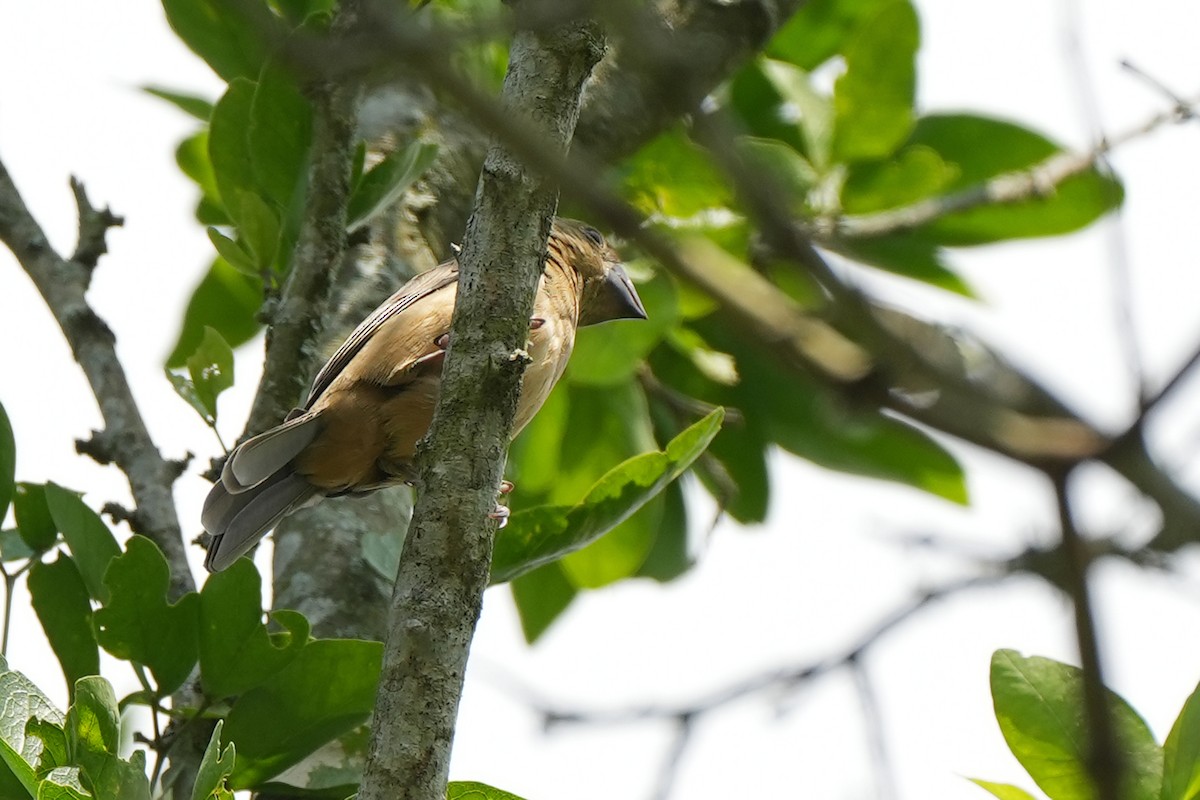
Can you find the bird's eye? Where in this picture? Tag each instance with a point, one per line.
(594, 236)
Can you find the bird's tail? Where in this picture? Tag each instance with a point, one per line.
(257, 489)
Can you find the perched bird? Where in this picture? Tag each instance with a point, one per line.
(374, 399)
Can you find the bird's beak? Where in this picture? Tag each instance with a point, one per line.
(617, 300)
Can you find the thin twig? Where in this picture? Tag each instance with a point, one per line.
(1103, 758)
(885, 779)
(668, 771)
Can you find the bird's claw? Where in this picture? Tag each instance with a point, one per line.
(501, 514)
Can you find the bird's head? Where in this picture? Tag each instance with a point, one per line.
(607, 291)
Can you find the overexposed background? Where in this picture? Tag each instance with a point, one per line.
(831, 561)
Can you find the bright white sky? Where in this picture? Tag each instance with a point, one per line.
(830, 562)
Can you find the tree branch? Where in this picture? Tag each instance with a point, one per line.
(439, 588)
(125, 440)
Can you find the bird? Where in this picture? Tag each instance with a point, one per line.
(373, 401)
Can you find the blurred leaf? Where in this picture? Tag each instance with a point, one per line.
(61, 602)
(716, 366)
(93, 728)
(533, 459)
(386, 181)
(229, 146)
(813, 111)
(184, 387)
(545, 533)
(211, 370)
(193, 160)
(215, 767)
(278, 135)
(1003, 791)
(980, 148)
(13, 547)
(138, 624)
(669, 557)
(1039, 705)
(820, 30)
(761, 108)
(197, 107)
(541, 595)
(672, 177)
(1181, 753)
(227, 301)
(8, 462)
(236, 651)
(33, 517)
(907, 255)
(471, 790)
(297, 11)
(327, 690)
(259, 228)
(609, 354)
(91, 542)
(230, 35)
(233, 252)
(873, 99)
(916, 172)
(789, 170)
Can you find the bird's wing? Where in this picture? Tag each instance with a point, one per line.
(419, 287)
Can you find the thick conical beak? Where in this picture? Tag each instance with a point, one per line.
(617, 299)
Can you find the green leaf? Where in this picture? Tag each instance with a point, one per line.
(327, 690)
(668, 557)
(61, 602)
(193, 159)
(278, 135)
(541, 595)
(229, 145)
(93, 723)
(33, 517)
(138, 624)
(1040, 711)
(259, 228)
(13, 547)
(546, 533)
(980, 148)
(873, 99)
(619, 553)
(236, 651)
(914, 173)
(907, 255)
(672, 177)
(820, 30)
(1004, 791)
(184, 387)
(91, 542)
(198, 107)
(1181, 753)
(472, 790)
(789, 170)
(215, 767)
(234, 252)
(297, 11)
(8, 462)
(387, 180)
(227, 301)
(23, 746)
(62, 784)
(230, 35)
(813, 112)
(211, 369)
(610, 354)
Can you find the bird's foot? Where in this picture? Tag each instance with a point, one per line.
(506, 487)
(500, 514)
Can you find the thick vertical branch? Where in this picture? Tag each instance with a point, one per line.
(444, 570)
(125, 441)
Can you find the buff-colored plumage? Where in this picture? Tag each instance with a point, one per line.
(374, 399)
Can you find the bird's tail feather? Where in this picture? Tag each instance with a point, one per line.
(238, 520)
(255, 460)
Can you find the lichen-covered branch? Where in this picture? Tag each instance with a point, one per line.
(124, 441)
(439, 588)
